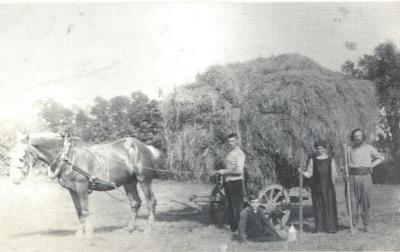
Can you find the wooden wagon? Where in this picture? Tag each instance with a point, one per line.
(273, 197)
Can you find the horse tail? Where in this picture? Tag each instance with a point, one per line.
(132, 146)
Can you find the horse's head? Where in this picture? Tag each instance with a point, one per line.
(29, 149)
(18, 156)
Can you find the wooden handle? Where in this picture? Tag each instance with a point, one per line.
(348, 195)
(301, 203)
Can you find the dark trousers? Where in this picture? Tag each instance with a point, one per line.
(234, 198)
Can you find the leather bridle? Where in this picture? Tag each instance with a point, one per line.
(50, 173)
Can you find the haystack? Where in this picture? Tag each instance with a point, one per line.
(279, 106)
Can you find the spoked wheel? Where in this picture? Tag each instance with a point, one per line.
(217, 208)
(275, 198)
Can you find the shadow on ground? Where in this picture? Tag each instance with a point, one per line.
(68, 232)
(201, 216)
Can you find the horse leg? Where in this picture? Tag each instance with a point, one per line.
(150, 200)
(82, 190)
(77, 204)
(136, 202)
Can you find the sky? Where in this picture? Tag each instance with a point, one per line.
(75, 52)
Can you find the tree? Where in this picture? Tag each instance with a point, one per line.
(82, 125)
(146, 120)
(383, 68)
(349, 68)
(54, 114)
(100, 128)
(118, 117)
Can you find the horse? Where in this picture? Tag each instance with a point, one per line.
(81, 168)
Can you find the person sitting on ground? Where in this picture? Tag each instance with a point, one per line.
(254, 224)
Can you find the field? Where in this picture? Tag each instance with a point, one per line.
(38, 216)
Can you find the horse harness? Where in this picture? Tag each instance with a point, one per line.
(65, 155)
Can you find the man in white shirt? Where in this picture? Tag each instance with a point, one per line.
(362, 159)
(233, 186)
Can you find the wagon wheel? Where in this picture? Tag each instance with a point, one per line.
(217, 207)
(276, 200)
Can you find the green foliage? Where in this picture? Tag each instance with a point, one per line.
(54, 113)
(383, 68)
(82, 124)
(118, 117)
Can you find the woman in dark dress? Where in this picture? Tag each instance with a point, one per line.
(322, 171)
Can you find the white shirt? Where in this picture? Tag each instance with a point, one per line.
(310, 168)
(234, 163)
(363, 156)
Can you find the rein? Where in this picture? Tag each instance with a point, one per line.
(65, 151)
(52, 175)
(57, 171)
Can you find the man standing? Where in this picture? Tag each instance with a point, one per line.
(362, 159)
(233, 186)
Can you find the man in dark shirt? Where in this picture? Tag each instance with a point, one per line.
(255, 224)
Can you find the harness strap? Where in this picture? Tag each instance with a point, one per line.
(92, 179)
(143, 167)
(65, 156)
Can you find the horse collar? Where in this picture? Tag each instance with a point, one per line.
(64, 153)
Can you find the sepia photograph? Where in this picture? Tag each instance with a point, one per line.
(200, 126)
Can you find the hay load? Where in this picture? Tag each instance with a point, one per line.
(279, 106)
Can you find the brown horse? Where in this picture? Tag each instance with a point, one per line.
(83, 168)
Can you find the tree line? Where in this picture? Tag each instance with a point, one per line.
(109, 119)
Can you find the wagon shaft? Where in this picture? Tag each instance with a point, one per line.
(207, 199)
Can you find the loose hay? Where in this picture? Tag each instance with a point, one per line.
(279, 106)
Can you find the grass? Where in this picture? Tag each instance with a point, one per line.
(39, 216)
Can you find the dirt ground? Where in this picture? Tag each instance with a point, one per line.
(38, 215)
